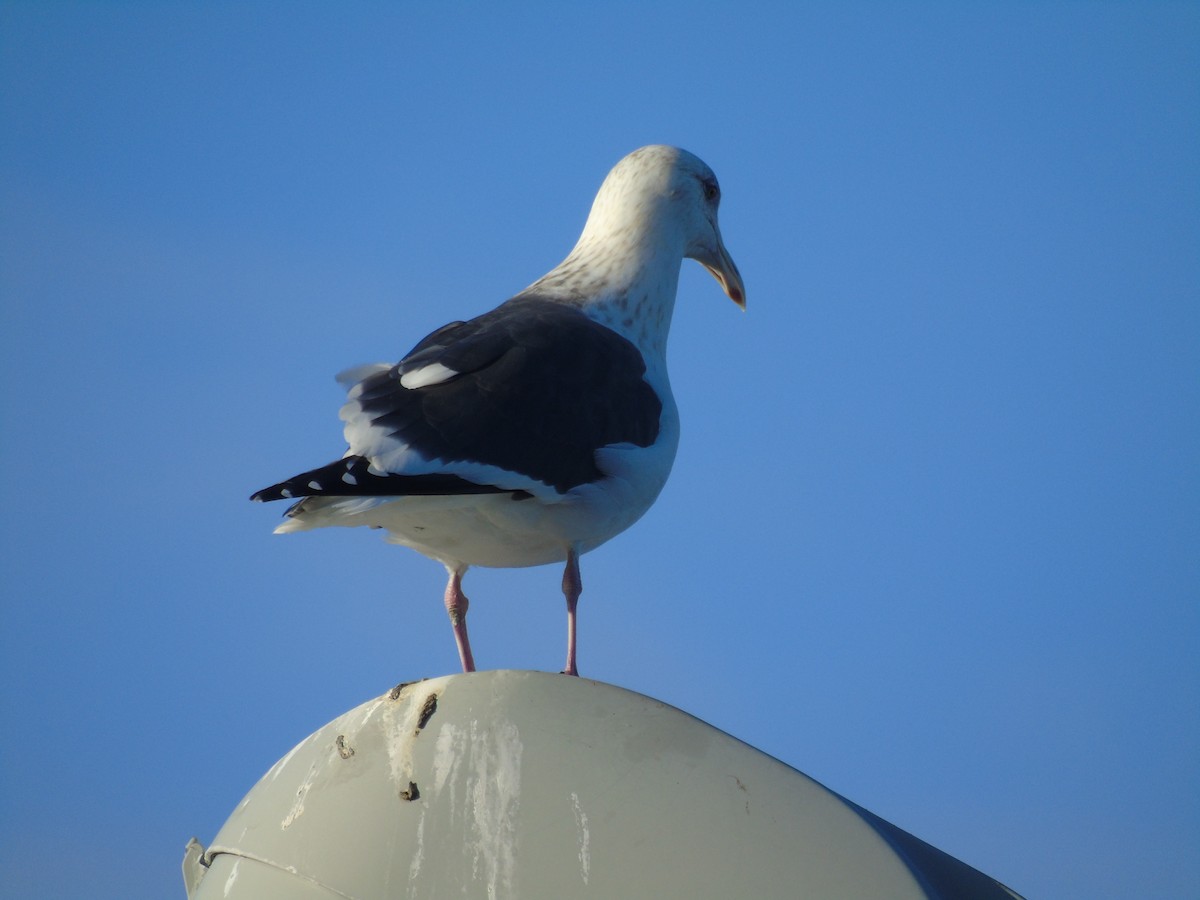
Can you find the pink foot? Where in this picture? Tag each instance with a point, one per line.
(456, 606)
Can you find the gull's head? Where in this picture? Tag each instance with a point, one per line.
(665, 193)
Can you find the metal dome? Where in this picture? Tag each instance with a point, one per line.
(533, 785)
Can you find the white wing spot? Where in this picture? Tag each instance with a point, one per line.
(315, 485)
(434, 373)
(349, 479)
(284, 492)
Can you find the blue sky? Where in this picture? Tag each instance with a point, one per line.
(933, 534)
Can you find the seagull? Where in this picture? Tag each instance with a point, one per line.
(537, 431)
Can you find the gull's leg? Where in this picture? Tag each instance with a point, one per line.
(572, 586)
(456, 606)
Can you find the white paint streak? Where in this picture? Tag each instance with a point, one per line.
(495, 793)
(487, 762)
(278, 768)
(585, 838)
(233, 876)
(414, 867)
(367, 711)
(301, 792)
(352, 727)
(451, 744)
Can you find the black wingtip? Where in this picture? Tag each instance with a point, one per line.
(281, 491)
(351, 476)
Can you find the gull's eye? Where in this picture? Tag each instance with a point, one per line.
(711, 191)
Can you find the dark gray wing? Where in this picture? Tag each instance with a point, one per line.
(532, 387)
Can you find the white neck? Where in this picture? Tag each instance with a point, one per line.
(623, 272)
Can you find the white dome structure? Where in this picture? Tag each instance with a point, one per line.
(532, 785)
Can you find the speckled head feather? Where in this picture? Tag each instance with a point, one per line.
(657, 207)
